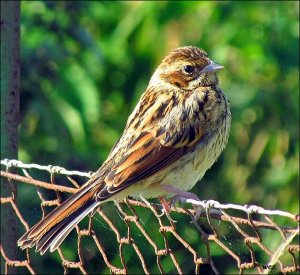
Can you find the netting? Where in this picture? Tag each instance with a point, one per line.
(132, 237)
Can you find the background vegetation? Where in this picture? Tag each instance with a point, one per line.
(86, 63)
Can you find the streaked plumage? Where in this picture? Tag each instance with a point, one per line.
(176, 132)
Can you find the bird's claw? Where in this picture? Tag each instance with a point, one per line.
(198, 211)
(165, 212)
(166, 208)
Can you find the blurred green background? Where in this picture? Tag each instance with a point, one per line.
(86, 63)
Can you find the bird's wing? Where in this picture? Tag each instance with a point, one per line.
(146, 157)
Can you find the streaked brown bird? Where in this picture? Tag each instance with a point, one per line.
(176, 132)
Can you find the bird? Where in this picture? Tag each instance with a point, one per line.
(176, 132)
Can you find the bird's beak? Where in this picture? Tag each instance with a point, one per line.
(212, 66)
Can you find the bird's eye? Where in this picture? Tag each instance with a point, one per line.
(188, 69)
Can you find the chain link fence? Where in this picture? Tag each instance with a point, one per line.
(132, 237)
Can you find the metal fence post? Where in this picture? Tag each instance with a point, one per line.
(10, 98)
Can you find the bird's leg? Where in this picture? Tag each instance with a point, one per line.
(180, 193)
(184, 196)
(166, 204)
(166, 208)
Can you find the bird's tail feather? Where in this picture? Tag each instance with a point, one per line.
(53, 229)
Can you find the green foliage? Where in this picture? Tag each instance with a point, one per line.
(86, 63)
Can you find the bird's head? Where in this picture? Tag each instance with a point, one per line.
(187, 68)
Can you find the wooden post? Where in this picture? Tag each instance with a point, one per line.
(10, 99)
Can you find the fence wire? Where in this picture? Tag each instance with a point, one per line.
(132, 237)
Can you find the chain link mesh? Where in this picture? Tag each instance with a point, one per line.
(156, 244)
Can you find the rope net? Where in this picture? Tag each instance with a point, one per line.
(132, 237)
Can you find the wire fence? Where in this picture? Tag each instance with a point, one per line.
(135, 238)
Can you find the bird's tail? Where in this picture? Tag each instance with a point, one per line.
(54, 228)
